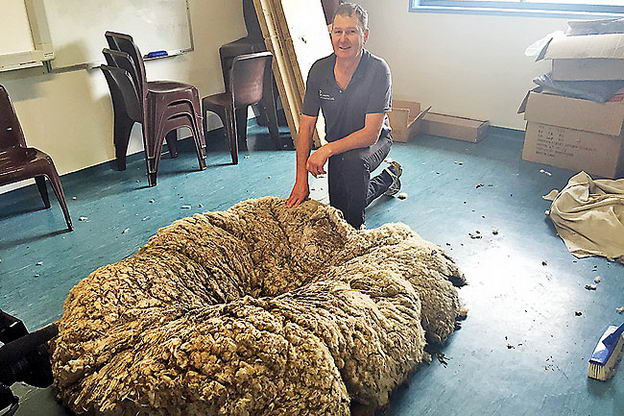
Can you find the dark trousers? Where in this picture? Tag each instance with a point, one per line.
(351, 188)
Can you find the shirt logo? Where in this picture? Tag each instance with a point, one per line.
(325, 96)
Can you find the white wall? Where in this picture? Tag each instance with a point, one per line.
(461, 64)
(69, 115)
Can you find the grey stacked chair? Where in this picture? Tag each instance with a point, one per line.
(160, 106)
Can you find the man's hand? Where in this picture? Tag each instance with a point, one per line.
(299, 193)
(316, 162)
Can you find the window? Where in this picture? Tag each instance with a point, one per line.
(563, 8)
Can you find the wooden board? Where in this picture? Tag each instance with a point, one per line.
(305, 35)
(264, 11)
(295, 32)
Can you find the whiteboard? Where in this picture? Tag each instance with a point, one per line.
(77, 27)
(15, 33)
(24, 37)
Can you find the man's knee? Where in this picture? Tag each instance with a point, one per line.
(354, 160)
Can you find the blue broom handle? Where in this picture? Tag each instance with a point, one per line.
(614, 337)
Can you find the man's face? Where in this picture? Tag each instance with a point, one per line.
(347, 36)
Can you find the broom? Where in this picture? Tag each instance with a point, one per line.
(606, 354)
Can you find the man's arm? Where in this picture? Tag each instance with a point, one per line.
(301, 189)
(364, 137)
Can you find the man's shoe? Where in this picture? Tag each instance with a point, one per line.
(395, 171)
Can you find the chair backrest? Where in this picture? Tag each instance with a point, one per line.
(329, 9)
(123, 90)
(247, 77)
(124, 43)
(122, 60)
(251, 20)
(11, 134)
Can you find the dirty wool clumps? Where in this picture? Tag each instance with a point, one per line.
(257, 310)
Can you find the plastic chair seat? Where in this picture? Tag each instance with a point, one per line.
(216, 100)
(167, 86)
(19, 159)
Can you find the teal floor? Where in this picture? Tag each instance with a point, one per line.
(522, 350)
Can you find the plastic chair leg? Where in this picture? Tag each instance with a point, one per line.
(199, 139)
(151, 150)
(205, 124)
(122, 130)
(151, 178)
(269, 109)
(200, 127)
(172, 143)
(241, 126)
(43, 190)
(232, 134)
(227, 118)
(55, 181)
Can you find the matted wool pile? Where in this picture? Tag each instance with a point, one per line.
(257, 310)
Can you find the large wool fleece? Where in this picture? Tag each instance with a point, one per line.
(257, 310)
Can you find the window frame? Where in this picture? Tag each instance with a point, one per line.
(522, 8)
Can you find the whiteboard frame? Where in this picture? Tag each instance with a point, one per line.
(42, 41)
(95, 65)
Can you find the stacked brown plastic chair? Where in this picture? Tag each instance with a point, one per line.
(19, 162)
(244, 88)
(161, 106)
(127, 105)
(252, 43)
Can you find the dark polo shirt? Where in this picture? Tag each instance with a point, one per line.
(369, 91)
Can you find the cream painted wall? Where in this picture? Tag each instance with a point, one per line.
(69, 115)
(460, 64)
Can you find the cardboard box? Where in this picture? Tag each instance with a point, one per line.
(574, 134)
(454, 127)
(586, 58)
(574, 149)
(402, 119)
(574, 113)
(595, 69)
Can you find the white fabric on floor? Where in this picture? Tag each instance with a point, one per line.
(589, 216)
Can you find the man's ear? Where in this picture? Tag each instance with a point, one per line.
(365, 35)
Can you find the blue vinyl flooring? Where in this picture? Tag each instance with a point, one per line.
(522, 350)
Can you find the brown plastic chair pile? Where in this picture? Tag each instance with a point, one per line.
(160, 106)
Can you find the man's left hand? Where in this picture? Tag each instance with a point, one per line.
(316, 162)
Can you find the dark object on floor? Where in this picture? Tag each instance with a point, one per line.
(25, 357)
(160, 106)
(19, 162)
(245, 86)
(11, 328)
(443, 359)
